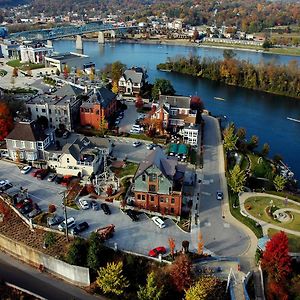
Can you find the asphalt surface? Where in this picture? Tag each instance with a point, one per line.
(221, 237)
(42, 284)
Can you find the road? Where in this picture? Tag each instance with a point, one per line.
(42, 284)
(220, 236)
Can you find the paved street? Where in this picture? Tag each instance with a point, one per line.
(42, 284)
(220, 236)
(138, 236)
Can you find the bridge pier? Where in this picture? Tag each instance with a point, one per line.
(50, 43)
(112, 34)
(101, 39)
(79, 44)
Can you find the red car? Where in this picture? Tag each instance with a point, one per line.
(158, 250)
(66, 180)
(36, 172)
(22, 203)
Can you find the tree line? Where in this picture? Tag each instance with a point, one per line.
(267, 77)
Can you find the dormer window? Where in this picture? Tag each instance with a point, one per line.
(143, 177)
(152, 177)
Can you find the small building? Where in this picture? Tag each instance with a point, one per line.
(132, 81)
(190, 134)
(60, 108)
(9, 49)
(34, 52)
(98, 109)
(72, 60)
(84, 156)
(158, 184)
(28, 141)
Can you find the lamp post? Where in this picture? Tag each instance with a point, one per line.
(65, 214)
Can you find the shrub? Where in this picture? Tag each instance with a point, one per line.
(51, 208)
(50, 239)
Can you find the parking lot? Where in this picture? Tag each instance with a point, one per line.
(138, 236)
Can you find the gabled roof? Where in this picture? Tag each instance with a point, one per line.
(175, 101)
(27, 131)
(136, 75)
(158, 158)
(68, 90)
(103, 96)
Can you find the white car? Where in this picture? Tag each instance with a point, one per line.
(3, 183)
(70, 223)
(84, 204)
(136, 144)
(26, 169)
(159, 222)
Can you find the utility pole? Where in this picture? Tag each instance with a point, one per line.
(65, 214)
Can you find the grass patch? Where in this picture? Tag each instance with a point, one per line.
(294, 240)
(285, 194)
(258, 209)
(20, 90)
(235, 211)
(141, 137)
(129, 169)
(16, 63)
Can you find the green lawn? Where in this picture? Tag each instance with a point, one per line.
(24, 66)
(294, 240)
(258, 210)
(129, 169)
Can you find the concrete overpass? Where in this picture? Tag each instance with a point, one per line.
(73, 30)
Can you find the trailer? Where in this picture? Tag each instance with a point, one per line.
(106, 232)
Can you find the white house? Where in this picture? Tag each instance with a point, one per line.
(34, 52)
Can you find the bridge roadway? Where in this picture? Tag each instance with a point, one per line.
(64, 31)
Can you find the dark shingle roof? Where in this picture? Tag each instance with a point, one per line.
(103, 96)
(27, 131)
(176, 101)
(68, 90)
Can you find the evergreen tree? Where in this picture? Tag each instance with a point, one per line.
(150, 291)
(94, 251)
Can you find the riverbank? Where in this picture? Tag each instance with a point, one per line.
(295, 51)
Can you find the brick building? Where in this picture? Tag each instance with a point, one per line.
(97, 110)
(158, 184)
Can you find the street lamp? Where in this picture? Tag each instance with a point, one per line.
(65, 214)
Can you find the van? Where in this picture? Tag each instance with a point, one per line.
(138, 127)
(70, 223)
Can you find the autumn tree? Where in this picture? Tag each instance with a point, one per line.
(66, 71)
(241, 133)
(230, 138)
(279, 182)
(15, 72)
(6, 121)
(180, 273)
(115, 88)
(172, 246)
(117, 69)
(109, 191)
(111, 280)
(150, 291)
(236, 179)
(200, 243)
(265, 149)
(253, 142)
(276, 262)
(207, 287)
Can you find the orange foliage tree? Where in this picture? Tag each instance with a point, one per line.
(6, 121)
(200, 243)
(172, 246)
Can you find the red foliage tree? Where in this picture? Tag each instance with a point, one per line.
(51, 208)
(90, 188)
(276, 260)
(109, 191)
(180, 273)
(196, 103)
(6, 121)
(139, 102)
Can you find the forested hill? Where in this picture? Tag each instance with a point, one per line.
(7, 3)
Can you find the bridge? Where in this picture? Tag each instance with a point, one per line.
(73, 30)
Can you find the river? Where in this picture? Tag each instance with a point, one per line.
(262, 114)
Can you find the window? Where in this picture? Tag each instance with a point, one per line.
(143, 197)
(36, 109)
(167, 200)
(50, 111)
(170, 190)
(43, 110)
(32, 145)
(143, 177)
(50, 119)
(139, 196)
(161, 199)
(68, 160)
(172, 200)
(151, 198)
(152, 177)
(22, 144)
(152, 188)
(172, 210)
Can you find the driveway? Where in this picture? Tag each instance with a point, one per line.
(138, 236)
(130, 115)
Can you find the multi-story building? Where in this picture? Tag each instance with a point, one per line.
(132, 81)
(28, 141)
(84, 156)
(158, 184)
(98, 109)
(60, 108)
(35, 52)
(191, 134)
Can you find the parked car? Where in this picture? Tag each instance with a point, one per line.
(58, 179)
(95, 205)
(70, 224)
(159, 222)
(219, 196)
(36, 211)
(55, 220)
(26, 208)
(156, 251)
(84, 204)
(132, 215)
(79, 228)
(51, 177)
(105, 208)
(41, 175)
(26, 169)
(136, 144)
(5, 187)
(36, 172)
(152, 146)
(23, 202)
(4, 182)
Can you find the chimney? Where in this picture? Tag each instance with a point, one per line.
(95, 90)
(85, 89)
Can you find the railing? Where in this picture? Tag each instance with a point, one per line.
(84, 163)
